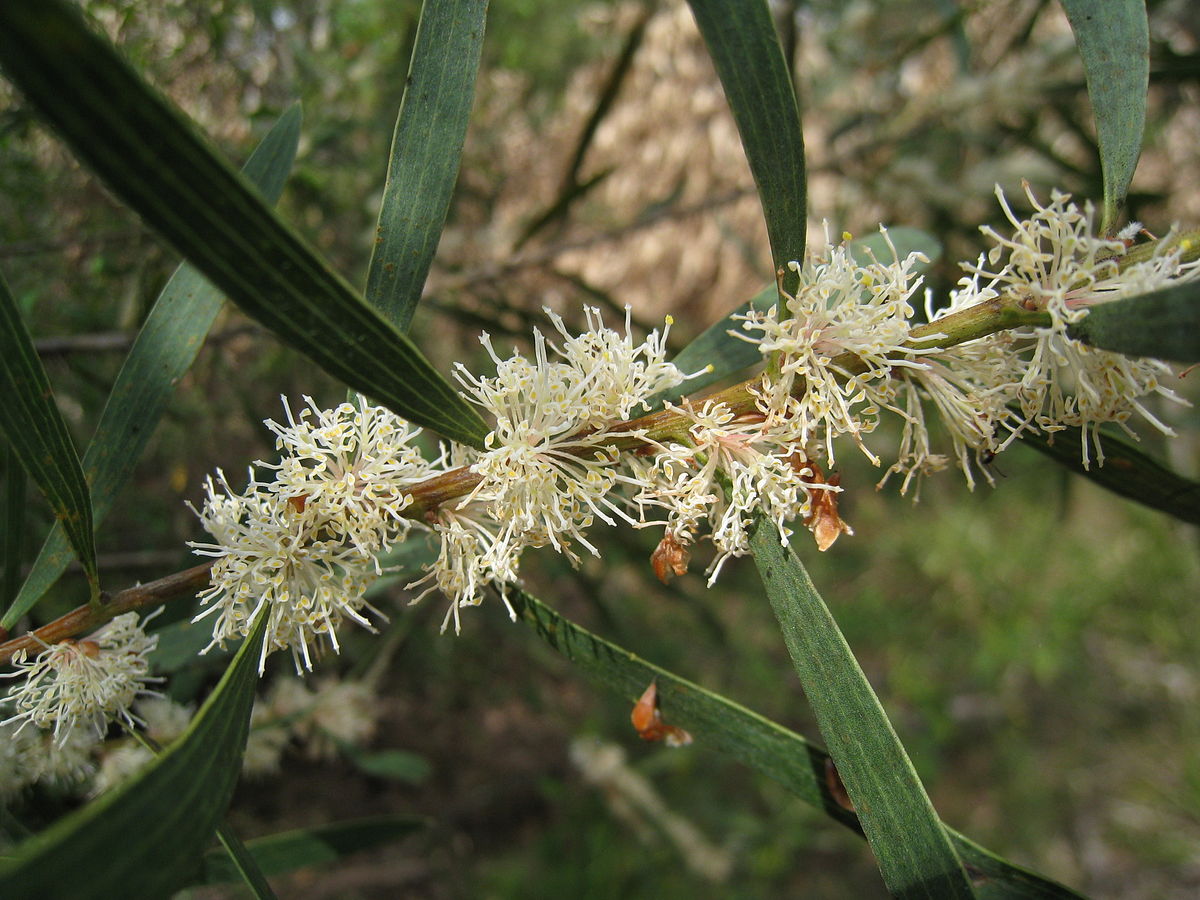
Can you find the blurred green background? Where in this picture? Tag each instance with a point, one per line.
(1034, 644)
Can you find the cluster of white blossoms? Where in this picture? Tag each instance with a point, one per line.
(841, 353)
(75, 688)
(1055, 263)
(302, 541)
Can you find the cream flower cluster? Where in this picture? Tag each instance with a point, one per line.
(841, 353)
(304, 543)
(726, 469)
(81, 686)
(1055, 263)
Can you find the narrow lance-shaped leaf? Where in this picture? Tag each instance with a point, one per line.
(1163, 324)
(1127, 471)
(912, 849)
(152, 158)
(244, 863)
(38, 435)
(426, 151)
(1113, 37)
(719, 723)
(145, 837)
(321, 845)
(14, 524)
(164, 350)
(745, 49)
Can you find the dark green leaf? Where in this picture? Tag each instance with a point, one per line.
(1126, 471)
(151, 157)
(14, 524)
(290, 850)
(724, 725)
(716, 347)
(745, 49)
(179, 644)
(394, 765)
(728, 354)
(145, 837)
(1113, 37)
(911, 847)
(39, 438)
(164, 350)
(426, 150)
(1164, 324)
(244, 863)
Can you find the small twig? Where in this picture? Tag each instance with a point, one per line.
(87, 618)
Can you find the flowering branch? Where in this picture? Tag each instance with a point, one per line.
(839, 353)
(87, 618)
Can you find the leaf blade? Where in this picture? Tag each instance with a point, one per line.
(179, 185)
(164, 350)
(1163, 324)
(911, 847)
(39, 438)
(1113, 37)
(1127, 471)
(426, 152)
(287, 851)
(184, 792)
(756, 741)
(745, 49)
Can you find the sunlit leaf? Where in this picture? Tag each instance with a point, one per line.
(912, 849)
(426, 150)
(153, 159)
(1113, 37)
(164, 350)
(146, 837)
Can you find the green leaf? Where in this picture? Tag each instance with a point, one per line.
(145, 837)
(1164, 324)
(244, 863)
(745, 49)
(728, 354)
(1113, 37)
(291, 850)
(720, 723)
(14, 524)
(39, 438)
(179, 645)
(394, 765)
(149, 154)
(426, 151)
(912, 850)
(716, 347)
(1126, 471)
(164, 350)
